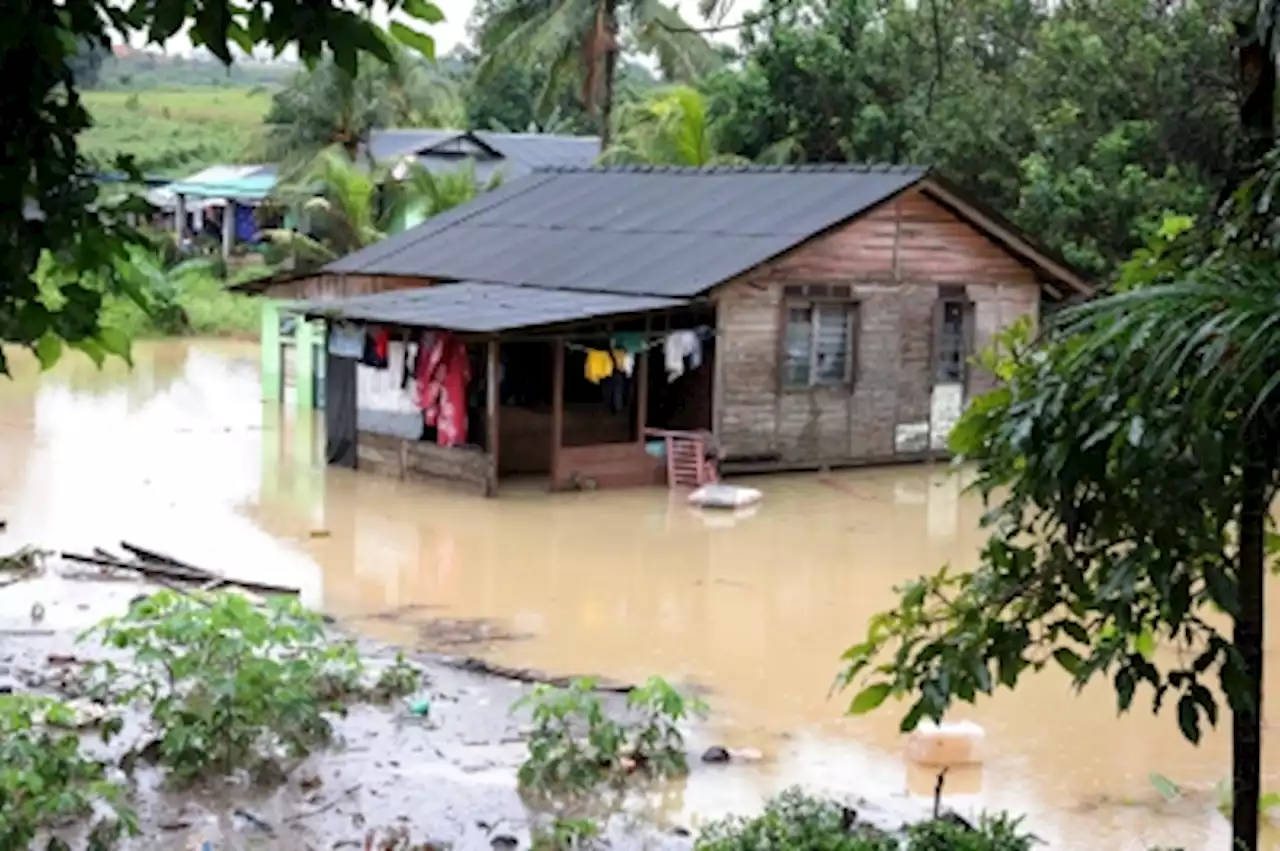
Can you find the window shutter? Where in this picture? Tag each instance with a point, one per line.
(798, 344)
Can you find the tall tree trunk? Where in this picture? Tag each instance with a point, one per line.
(610, 72)
(1246, 719)
(1257, 72)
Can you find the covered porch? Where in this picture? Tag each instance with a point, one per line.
(572, 388)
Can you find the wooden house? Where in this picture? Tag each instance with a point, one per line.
(838, 307)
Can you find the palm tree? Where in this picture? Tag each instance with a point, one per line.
(327, 106)
(668, 127)
(580, 40)
(348, 206)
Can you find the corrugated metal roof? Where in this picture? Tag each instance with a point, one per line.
(662, 231)
(531, 151)
(244, 182)
(474, 307)
(518, 154)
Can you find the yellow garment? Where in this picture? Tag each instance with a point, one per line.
(599, 366)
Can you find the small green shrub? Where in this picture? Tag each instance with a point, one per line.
(797, 821)
(792, 821)
(992, 833)
(398, 679)
(228, 685)
(575, 745)
(567, 835)
(45, 780)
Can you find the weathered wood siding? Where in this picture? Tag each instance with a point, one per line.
(415, 460)
(895, 259)
(327, 286)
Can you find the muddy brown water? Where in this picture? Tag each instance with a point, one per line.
(179, 453)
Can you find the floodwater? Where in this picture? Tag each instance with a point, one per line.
(180, 455)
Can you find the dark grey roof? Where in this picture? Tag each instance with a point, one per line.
(515, 154)
(661, 231)
(531, 151)
(482, 308)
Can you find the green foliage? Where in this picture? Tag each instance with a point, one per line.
(329, 106)
(792, 821)
(1069, 117)
(991, 833)
(668, 126)
(575, 745)
(797, 821)
(567, 835)
(227, 684)
(398, 679)
(45, 779)
(350, 206)
(49, 208)
(576, 42)
(173, 132)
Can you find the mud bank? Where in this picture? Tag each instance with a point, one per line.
(446, 780)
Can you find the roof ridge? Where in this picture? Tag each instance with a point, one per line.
(751, 168)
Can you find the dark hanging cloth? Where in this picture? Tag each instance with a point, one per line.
(340, 411)
(375, 347)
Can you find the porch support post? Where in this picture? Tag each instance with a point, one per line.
(642, 392)
(180, 216)
(228, 228)
(491, 417)
(557, 405)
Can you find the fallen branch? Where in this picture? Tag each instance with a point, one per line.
(164, 573)
(347, 793)
(476, 665)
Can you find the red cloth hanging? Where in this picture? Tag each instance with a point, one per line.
(444, 371)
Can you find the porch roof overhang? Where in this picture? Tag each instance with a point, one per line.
(484, 308)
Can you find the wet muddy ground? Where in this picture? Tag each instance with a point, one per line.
(446, 780)
(181, 454)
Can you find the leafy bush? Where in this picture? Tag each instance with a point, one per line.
(575, 745)
(792, 821)
(797, 821)
(992, 833)
(228, 685)
(567, 835)
(45, 779)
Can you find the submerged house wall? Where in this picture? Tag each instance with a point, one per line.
(891, 273)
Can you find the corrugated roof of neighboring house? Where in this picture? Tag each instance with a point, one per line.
(474, 307)
(514, 154)
(242, 182)
(656, 230)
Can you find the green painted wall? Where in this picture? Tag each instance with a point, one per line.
(272, 365)
(305, 341)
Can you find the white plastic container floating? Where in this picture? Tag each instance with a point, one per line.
(951, 743)
(724, 496)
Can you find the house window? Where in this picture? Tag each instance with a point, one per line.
(819, 344)
(951, 340)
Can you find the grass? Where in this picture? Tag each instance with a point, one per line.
(211, 310)
(175, 132)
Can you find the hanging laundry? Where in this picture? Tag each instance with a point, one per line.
(444, 371)
(346, 341)
(599, 366)
(631, 342)
(395, 362)
(624, 362)
(679, 347)
(375, 347)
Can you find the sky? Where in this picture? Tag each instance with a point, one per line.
(453, 30)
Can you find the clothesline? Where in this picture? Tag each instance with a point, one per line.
(704, 332)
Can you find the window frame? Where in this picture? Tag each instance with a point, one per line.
(959, 297)
(812, 299)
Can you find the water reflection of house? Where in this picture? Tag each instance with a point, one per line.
(833, 310)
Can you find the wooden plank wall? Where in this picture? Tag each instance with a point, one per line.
(328, 286)
(895, 258)
(415, 460)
